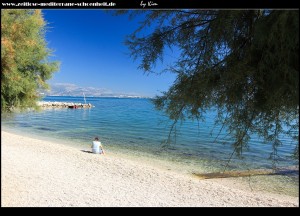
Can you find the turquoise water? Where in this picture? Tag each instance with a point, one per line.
(132, 126)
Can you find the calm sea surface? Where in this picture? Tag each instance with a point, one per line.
(132, 127)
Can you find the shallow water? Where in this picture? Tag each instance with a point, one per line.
(133, 128)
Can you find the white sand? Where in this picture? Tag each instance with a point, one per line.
(43, 173)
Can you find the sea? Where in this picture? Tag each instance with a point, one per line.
(133, 128)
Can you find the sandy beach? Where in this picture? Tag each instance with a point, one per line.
(39, 173)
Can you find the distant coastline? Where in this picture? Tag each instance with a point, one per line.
(104, 96)
(72, 90)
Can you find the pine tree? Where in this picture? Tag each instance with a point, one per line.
(24, 58)
(244, 63)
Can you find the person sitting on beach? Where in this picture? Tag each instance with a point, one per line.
(97, 147)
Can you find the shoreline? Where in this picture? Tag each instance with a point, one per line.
(159, 161)
(38, 172)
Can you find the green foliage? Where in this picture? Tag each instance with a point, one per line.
(244, 63)
(24, 58)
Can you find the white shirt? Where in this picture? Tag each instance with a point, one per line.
(96, 147)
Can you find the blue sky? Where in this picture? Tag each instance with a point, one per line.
(90, 46)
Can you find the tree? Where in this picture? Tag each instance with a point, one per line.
(244, 63)
(24, 58)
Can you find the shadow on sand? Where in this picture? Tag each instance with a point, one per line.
(86, 151)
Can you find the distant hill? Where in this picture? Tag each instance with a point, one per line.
(69, 89)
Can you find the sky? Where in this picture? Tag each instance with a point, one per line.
(89, 44)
